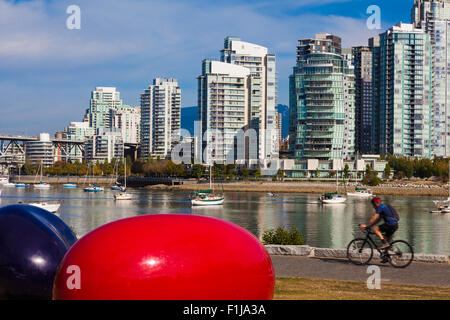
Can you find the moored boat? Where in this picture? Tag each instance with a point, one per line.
(51, 207)
(123, 196)
(21, 185)
(207, 197)
(69, 185)
(332, 198)
(207, 200)
(42, 185)
(94, 188)
(361, 193)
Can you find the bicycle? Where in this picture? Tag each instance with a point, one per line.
(399, 254)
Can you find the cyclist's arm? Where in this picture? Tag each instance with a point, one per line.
(373, 221)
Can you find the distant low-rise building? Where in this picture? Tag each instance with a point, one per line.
(40, 151)
(78, 131)
(105, 145)
(317, 168)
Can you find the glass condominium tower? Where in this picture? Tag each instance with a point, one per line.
(160, 118)
(433, 16)
(402, 94)
(362, 61)
(102, 100)
(322, 101)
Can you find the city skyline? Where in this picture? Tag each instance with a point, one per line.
(44, 89)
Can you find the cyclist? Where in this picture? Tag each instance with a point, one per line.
(390, 222)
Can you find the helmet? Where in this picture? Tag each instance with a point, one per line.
(376, 200)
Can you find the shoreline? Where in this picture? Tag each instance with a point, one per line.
(311, 188)
(410, 188)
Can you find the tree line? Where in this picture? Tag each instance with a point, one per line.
(407, 167)
(145, 167)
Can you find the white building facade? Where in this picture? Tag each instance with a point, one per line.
(41, 151)
(105, 145)
(128, 120)
(160, 118)
(262, 100)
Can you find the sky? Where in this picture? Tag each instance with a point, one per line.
(47, 71)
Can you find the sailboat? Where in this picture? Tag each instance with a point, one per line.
(20, 184)
(93, 187)
(52, 207)
(41, 184)
(333, 198)
(123, 195)
(117, 186)
(360, 192)
(443, 206)
(207, 197)
(4, 181)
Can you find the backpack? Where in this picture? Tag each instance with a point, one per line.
(395, 215)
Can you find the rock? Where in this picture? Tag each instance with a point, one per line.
(421, 257)
(291, 250)
(330, 253)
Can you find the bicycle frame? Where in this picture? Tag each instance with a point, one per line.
(370, 240)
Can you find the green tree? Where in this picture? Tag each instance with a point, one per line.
(346, 171)
(387, 171)
(280, 174)
(245, 173)
(332, 173)
(197, 171)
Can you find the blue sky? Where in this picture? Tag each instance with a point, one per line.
(47, 71)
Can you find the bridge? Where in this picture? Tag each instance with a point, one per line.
(13, 148)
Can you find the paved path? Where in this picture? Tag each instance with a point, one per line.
(422, 274)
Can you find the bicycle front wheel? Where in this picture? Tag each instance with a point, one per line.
(400, 254)
(359, 251)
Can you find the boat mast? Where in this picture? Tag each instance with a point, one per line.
(337, 182)
(210, 177)
(125, 173)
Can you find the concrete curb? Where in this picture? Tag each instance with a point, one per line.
(307, 251)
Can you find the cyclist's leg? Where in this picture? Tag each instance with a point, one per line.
(382, 230)
(390, 230)
(378, 231)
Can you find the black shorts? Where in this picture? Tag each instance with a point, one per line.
(387, 230)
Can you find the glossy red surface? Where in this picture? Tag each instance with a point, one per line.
(168, 257)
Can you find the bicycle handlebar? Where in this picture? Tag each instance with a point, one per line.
(367, 229)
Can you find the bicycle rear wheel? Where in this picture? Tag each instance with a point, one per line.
(400, 254)
(359, 251)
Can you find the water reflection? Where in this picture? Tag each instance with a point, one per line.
(322, 225)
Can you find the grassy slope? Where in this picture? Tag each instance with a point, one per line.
(319, 289)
